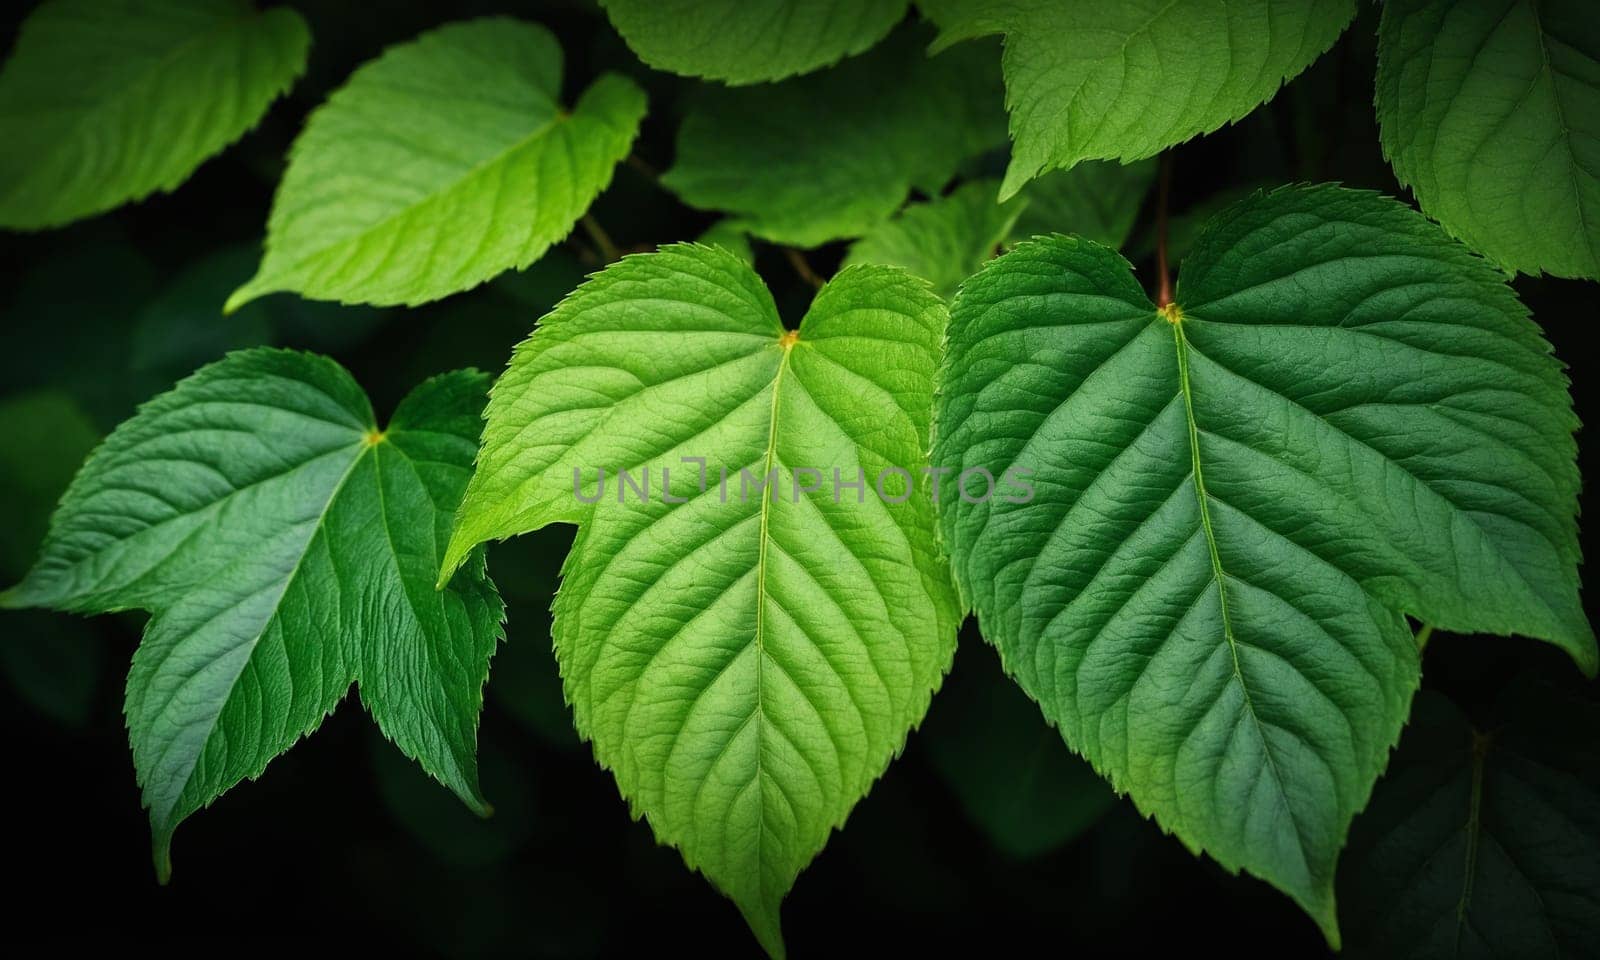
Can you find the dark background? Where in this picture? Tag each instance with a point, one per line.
(343, 842)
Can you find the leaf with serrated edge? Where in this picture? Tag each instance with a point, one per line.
(750, 41)
(286, 548)
(1345, 416)
(1490, 111)
(108, 101)
(440, 164)
(1097, 200)
(1090, 80)
(833, 154)
(746, 665)
(943, 241)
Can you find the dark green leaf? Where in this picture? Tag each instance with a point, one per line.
(286, 548)
(1482, 843)
(1490, 111)
(1344, 417)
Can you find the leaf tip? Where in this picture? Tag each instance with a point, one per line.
(762, 918)
(246, 293)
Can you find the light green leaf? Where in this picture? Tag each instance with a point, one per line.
(443, 162)
(1490, 111)
(831, 155)
(1345, 417)
(746, 662)
(107, 101)
(286, 548)
(750, 41)
(1096, 200)
(1482, 843)
(1090, 80)
(944, 241)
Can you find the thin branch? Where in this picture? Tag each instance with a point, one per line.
(644, 169)
(1164, 292)
(802, 268)
(597, 233)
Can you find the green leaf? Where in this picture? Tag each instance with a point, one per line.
(1345, 417)
(727, 235)
(749, 661)
(286, 548)
(44, 436)
(1097, 200)
(443, 162)
(1482, 843)
(1490, 112)
(943, 241)
(831, 155)
(1006, 765)
(1089, 80)
(53, 663)
(107, 101)
(750, 41)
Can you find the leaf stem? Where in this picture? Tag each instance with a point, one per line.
(1423, 633)
(1164, 193)
(801, 267)
(597, 233)
(644, 169)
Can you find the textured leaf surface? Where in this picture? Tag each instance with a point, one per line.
(446, 161)
(1096, 200)
(1091, 80)
(746, 662)
(1352, 417)
(1482, 843)
(107, 101)
(750, 41)
(943, 241)
(831, 155)
(286, 549)
(1490, 111)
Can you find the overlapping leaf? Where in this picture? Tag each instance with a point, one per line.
(286, 548)
(1490, 111)
(943, 241)
(442, 163)
(1346, 416)
(1005, 764)
(745, 659)
(1092, 80)
(750, 41)
(107, 101)
(1095, 200)
(1482, 843)
(833, 154)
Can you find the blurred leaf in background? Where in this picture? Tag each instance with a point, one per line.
(1482, 841)
(1005, 763)
(52, 662)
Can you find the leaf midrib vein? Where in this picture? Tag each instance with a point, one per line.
(1218, 575)
(377, 226)
(283, 590)
(761, 601)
